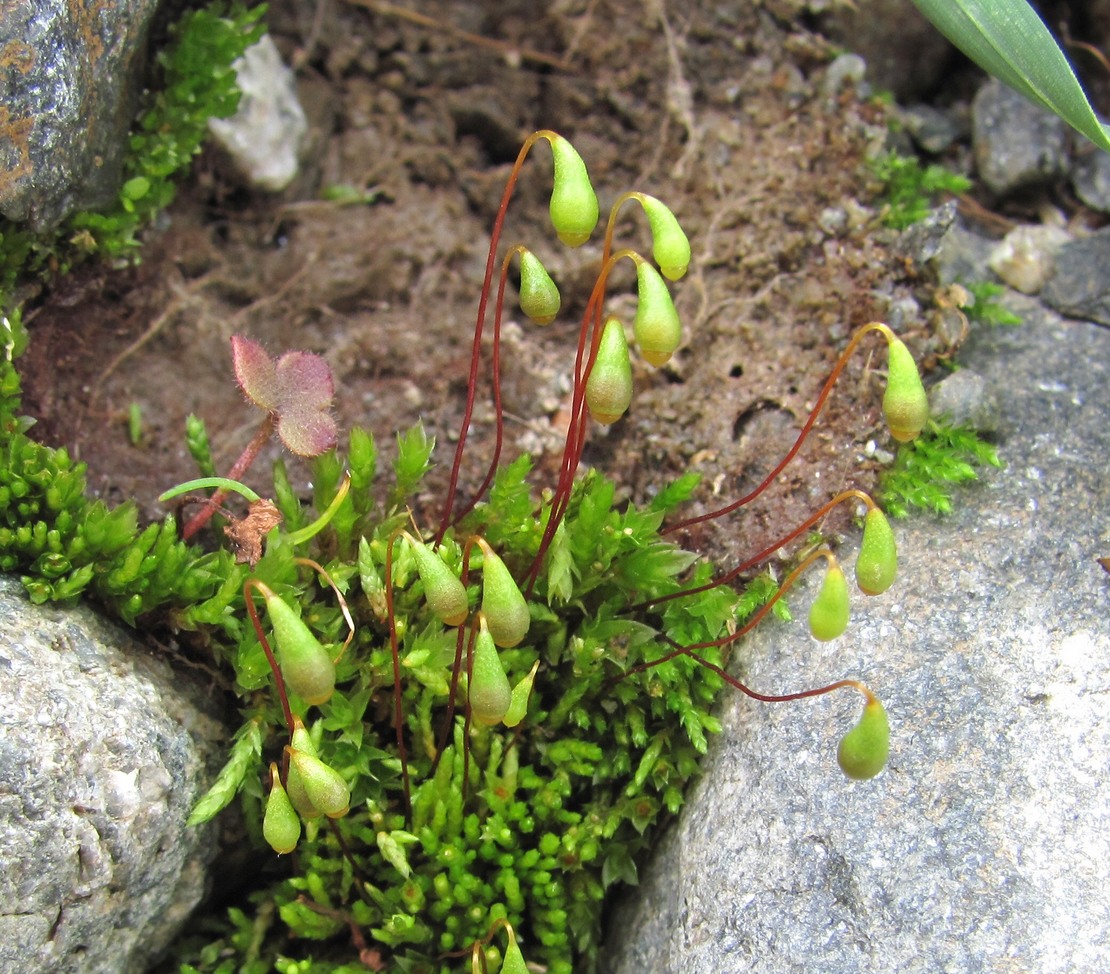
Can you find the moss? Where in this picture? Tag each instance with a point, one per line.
(908, 188)
(453, 827)
(531, 825)
(534, 825)
(926, 471)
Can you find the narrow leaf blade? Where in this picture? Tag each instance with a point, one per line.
(1008, 39)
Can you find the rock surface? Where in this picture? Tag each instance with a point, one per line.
(933, 129)
(965, 398)
(1024, 257)
(908, 61)
(69, 75)
(103, 751)
(1090, 177)
(1016, 143)
(1079, 286)
(985, 845)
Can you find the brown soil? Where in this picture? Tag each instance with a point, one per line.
(719, 109)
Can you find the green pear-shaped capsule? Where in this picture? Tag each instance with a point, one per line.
(294, 784)
(539, 297)
(514, 960)
(657, 328)
(518, 705)
(305, 663)
(503, 605)
(864, 749)
(828, 616)
(877, 563)
(670, 246)
(445, 593)
(490, 694)
(609, 387)
(323, 785)
(905, 405)
(574, 209)
(281, 826)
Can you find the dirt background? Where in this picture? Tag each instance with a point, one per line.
(725, 111)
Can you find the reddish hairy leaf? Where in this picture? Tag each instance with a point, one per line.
(297, 389)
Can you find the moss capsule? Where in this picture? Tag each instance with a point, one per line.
(828, 616)
(294, 784)
(518, 705)
(305, 663)
(281, 826)
(877, 563)
(905, 405)
(574, 209)
(609, 386)
(514, 960)
(670, 245)
(323, 785)
(490, 694)
(505, 610)
(657, 327)
(864, 749)
(444, 592)
(539, 297)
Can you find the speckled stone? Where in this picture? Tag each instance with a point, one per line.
(69, 81)
(104, 749)
(1016, 143)
(985, 845)
(1024, 258)
(965, 398)
(1090, 177)
(1079, 285)
(933, 129)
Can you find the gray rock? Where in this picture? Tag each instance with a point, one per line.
(985, 845)
(1024, 258)
(264, 136)
(69, 78)
(965, 398)
(833, 221)
(903, 312)
(103, 751)
(846, 71)
(907, 62)
(962, 256)
(1080, 287)
(922, 241)
(1016, 143)
(931, 129)
(1090, 177)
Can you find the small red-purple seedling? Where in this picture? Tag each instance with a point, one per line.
(296, 392)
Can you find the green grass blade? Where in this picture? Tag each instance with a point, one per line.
(1008, 39)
